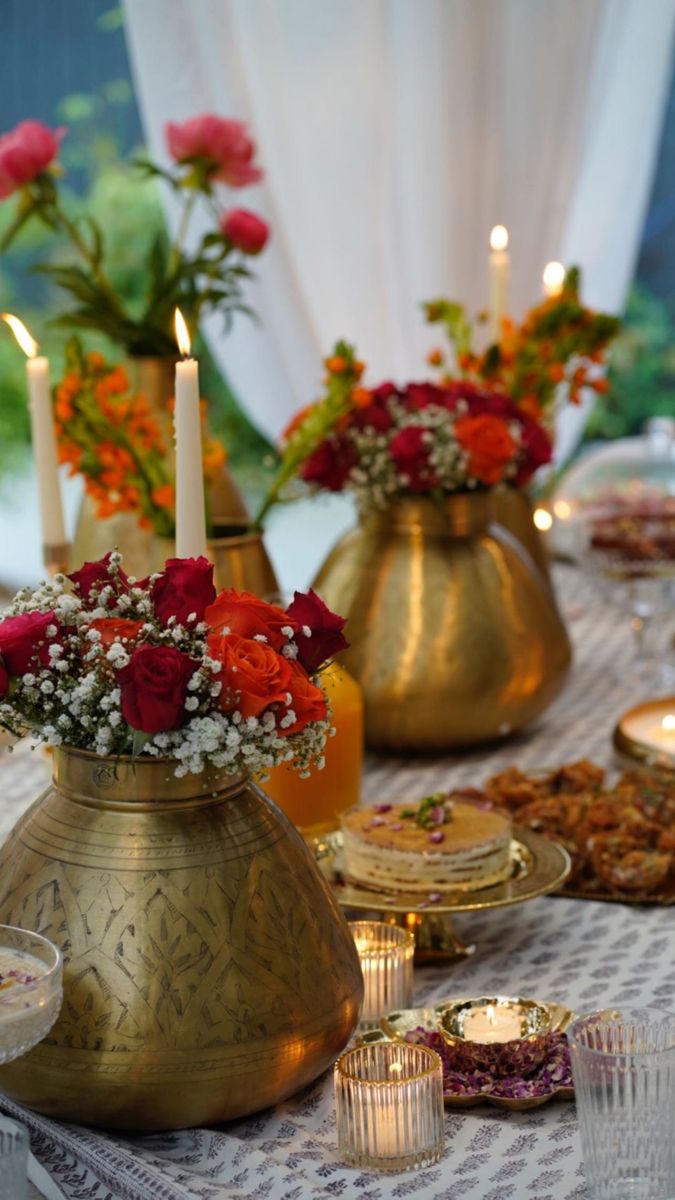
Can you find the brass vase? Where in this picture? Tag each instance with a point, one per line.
(239, 557)
(94, 537)
(454, 634)
(514, 510)
(208, 970)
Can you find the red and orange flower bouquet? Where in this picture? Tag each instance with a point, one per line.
(165, 667)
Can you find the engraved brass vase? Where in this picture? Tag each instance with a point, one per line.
(454, 634)
(94, 537)
(208, 971)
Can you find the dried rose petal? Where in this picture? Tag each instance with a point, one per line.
(382, 808)
(396, 826)
(376, 821)
(437, 836)
(434, 897)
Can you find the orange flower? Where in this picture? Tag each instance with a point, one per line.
(361, 397)
(336, 364)
(96, 361)
(164, 496)
(530, 405)
(489, 445)
(296, 421)
(599, 385)
(435, 357)
(556, 372)
(214, 455)
(112, 628)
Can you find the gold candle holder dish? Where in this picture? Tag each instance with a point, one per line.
(494, 1033)
(646, 734)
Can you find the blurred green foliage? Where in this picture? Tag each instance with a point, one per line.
(642, 370)
(127, 206)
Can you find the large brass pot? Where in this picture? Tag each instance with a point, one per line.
(515, 511)
(208, 971)
(454, 634)
(94, 537)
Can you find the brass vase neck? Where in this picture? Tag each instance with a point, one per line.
(138, 784)
(459, 516)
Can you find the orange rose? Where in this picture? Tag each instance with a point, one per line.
(308, 703)
(253, 676)
(489, 446)
(247, 616)
(111, 628)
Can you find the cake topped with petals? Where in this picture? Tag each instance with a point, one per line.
(437, 843)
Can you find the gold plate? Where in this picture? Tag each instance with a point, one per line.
(538, 866)
(395, 1025)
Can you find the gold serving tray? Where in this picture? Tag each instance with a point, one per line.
(396, 1025)
(538, 866)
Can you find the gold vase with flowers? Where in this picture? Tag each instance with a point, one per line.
(455, 637)
(208, 971)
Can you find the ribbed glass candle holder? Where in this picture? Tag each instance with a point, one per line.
(389, 1106)
(386, 953)
(623, 1064)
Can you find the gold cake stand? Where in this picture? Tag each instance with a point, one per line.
(538, 866)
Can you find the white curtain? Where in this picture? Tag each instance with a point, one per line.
(394, 134)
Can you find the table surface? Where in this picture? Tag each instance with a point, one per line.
(585, 954)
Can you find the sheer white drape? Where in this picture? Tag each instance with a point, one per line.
(394, 134)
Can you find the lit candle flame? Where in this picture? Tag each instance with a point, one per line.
(499, 238)
(491, 1013)
(554, 278)
(182, 334)
(542, 519)
(668, 723)
(26, 342)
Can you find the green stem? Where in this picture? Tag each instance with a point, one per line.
(70, 228)
(177, 244)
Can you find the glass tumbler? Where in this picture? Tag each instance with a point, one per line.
(386, 955)
(623, 1064)
(13, 1160)
(389, 1106)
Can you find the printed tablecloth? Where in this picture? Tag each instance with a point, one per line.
(584, 954)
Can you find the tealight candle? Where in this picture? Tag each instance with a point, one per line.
(389, 1106)
(493, 1023)
(648, 732)
(386, 955)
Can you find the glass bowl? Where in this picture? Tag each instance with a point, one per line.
(31, 990)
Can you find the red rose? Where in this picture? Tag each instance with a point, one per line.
(420, 395)
(112, 628)
(154, 688)
(92, 577)
(184, 587)
(254, 676)
(247, 616)
(536, 449)
(330, 464)
(24, 642)
(410, 452)
(326, 636)
(247, 232)
(375, 415)
(308, 701)
(25, 152)
(4, 682)
(220, 146)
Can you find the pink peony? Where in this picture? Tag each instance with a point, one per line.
(25, 152)
(245, 230)
(221, 146)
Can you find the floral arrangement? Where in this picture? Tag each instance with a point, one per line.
(423, 438)
(114, 440)
(557, 350)
(207, 152)
(165, 667)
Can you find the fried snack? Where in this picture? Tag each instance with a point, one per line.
(621, 837)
